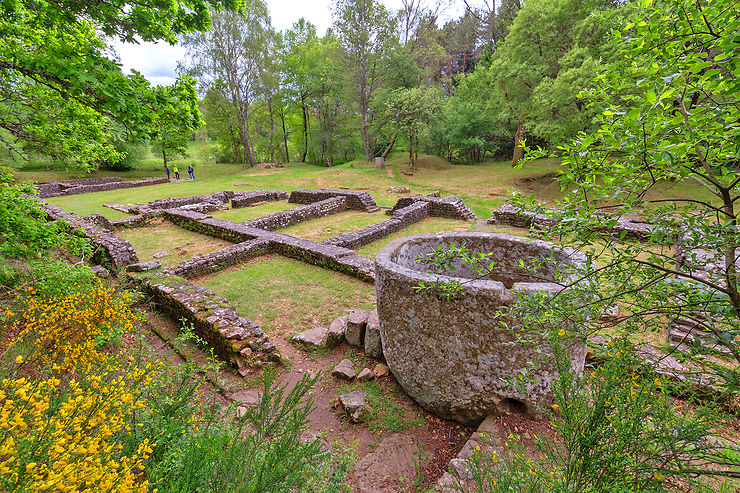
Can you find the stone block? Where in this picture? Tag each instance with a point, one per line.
(315, 337)
(373, 346)
(337, 328)
(356, 322)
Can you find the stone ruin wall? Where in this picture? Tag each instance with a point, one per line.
(520, 218)
(283, 219)
(111, 251)
(451, 208)
(56, 189)
(356, 200)
(244, 199)
(233, 338)
(220, 259)
(402, 218)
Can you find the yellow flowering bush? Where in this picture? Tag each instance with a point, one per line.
(60, 430)
(67, 330)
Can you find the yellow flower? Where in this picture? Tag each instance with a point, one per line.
(657, 382)
(19, 359)
(658, 476)
(561, 333)
(555, 407)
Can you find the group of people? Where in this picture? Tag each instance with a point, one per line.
(191, 172)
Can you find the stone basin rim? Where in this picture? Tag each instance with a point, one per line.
(384, 260)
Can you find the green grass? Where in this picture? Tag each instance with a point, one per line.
(386, 412)
(428, 225)
(246, 213)
(284, 295)
(323, 228)
(182, 244)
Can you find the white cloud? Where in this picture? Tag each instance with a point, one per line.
(158, 61)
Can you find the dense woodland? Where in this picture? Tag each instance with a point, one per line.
(468, 89)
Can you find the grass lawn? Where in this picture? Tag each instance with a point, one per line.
(285, 296)
(181, 243)
(323, 228)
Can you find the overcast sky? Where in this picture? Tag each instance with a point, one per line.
(158, 61)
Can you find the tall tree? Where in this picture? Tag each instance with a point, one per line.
(176, 117)
(228, 58)
(542, 45)
(58, 83)
(366, 34)
(301, 61)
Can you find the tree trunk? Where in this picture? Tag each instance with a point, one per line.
(521, 134)
(305, 129)
(164, 155)
(272, 130)
(285, 135)
(390, 146)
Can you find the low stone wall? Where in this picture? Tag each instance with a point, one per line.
(112, 251)
(50, 188)
(515, 216)
(220, 259)
(452, 207)
(232, 337)
(356, 199)
(401, 219)
(244, 199)
(321, 254)
(76, 190)
(207, 225)
(283, 219)
(172, 202)
(137, 221)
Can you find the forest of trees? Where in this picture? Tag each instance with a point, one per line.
(468, 89)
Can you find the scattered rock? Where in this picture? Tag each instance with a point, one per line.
(399, 189)
(245, 397)
(336, 331)
(344, 370)
(315, 337)
(144, 266)
(242, 184)
(365, 375)
(162, 254)
(435, 193)
(610, 313)
(308, 437)
(100, 271)
(381, 370)
(355, 405)
(373, 346)
(355, 331)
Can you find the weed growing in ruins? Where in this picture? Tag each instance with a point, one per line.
(385, 413)
(616, 429)
(445, 260)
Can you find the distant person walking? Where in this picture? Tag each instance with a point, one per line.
(190, 172)
(177, 173)
(167, 170)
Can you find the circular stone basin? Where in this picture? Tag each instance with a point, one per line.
(454, 357)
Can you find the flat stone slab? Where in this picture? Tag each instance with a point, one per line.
(315, 337)
(344, 370)
(144, 266)
(379, 471)
(355, 405)
(165, 253)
